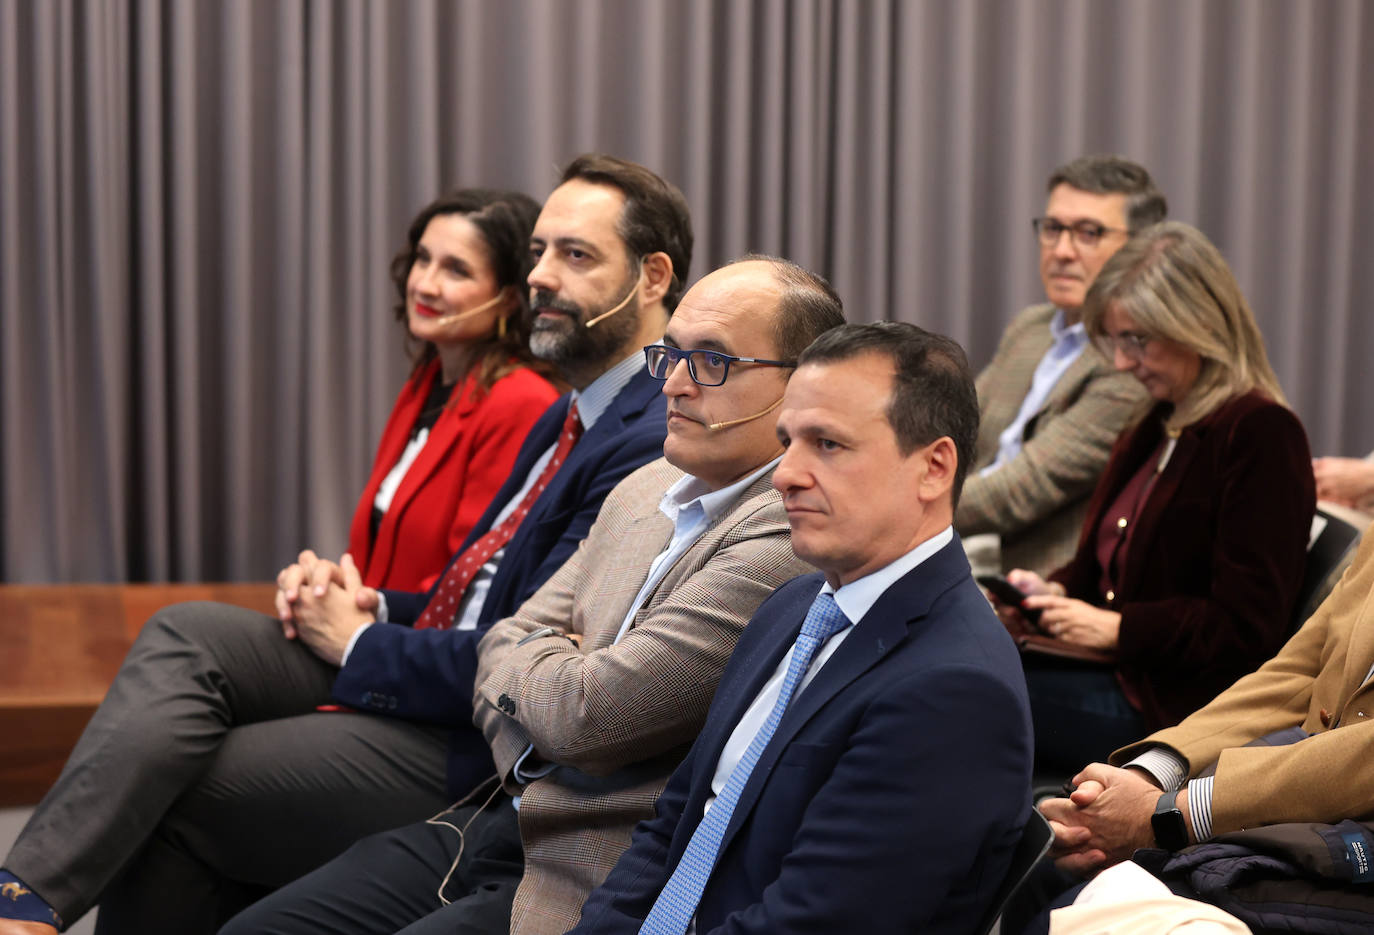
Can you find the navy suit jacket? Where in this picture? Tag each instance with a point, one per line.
(892, 794)
(427, 675)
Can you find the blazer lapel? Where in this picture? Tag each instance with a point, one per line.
(442, 437)
(645, 536)
(1359, 654)
(631, 400)
(757, 668)
(638, 393)
(688, 562)
(886, 626)
(541, 437)
(1165, 489)
(1072, 381)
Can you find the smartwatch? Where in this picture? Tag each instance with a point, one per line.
(1171, 832)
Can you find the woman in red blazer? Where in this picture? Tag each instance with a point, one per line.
(1192, 555)
(473, 393)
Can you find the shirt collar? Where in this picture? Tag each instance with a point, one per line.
(593, 401)
(857, 598)
(689, 494)
(1061, 332)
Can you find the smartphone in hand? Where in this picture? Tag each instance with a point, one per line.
(1011, 595)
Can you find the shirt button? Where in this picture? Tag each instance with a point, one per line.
(1111, 596)
(1121, 523)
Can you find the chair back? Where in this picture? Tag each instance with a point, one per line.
(1330, 546)
(1034, 844)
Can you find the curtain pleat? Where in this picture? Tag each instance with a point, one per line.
(199, 203)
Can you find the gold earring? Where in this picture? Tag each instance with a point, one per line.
(501, 327)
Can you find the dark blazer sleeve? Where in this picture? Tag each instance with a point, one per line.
(405, 607)
(413, 674)
(427, 674)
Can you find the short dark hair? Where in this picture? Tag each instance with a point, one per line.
(932, 389)
(505, 220)
(655, 217)
(809, 306)
(1115, 175)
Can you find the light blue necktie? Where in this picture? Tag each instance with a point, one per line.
(676, 905)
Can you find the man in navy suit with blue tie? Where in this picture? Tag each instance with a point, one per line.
(865, 764)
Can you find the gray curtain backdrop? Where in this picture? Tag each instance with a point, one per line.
(199, 201)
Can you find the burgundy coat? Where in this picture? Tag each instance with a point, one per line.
(1207, 589)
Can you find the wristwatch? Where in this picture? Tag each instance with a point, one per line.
(1171, 833)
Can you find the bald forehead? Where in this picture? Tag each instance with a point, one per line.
(733, 309)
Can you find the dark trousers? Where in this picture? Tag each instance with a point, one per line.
(1079, 713)
(391, 882)
(206, 778)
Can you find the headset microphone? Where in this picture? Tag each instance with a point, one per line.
(717, 426)
(459, 316)
(623, 302)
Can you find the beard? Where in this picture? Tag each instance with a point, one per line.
(565, 339)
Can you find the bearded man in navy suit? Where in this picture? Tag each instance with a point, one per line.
(868, 753)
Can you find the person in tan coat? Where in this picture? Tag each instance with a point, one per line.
(1319, 684)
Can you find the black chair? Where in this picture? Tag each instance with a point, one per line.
(1332, 542)
(1034, 843)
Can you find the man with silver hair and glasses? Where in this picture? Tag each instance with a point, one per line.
(1051, 405)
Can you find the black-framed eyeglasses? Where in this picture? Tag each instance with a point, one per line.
(1131, 345)
(1086, 234)
(706, 368)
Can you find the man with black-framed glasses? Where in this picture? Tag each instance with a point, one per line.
(592, 692)
(1051, 405)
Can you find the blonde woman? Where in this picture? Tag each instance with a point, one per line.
(1190, 561)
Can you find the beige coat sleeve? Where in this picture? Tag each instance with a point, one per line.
(1317, 681)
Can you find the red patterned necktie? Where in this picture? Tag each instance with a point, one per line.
(441, 610)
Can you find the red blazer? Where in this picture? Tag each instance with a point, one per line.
(467, 457)
(1207, 589)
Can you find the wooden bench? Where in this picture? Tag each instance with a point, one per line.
(60, 647)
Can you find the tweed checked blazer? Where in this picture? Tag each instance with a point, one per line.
(1316, 682)
(1038, 501)
(613, 721)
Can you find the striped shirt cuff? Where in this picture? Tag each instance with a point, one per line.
(1168, 768)
(1200, 807)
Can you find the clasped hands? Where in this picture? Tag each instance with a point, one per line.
(1106, 819)
(323, 604)
(1064, 618)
